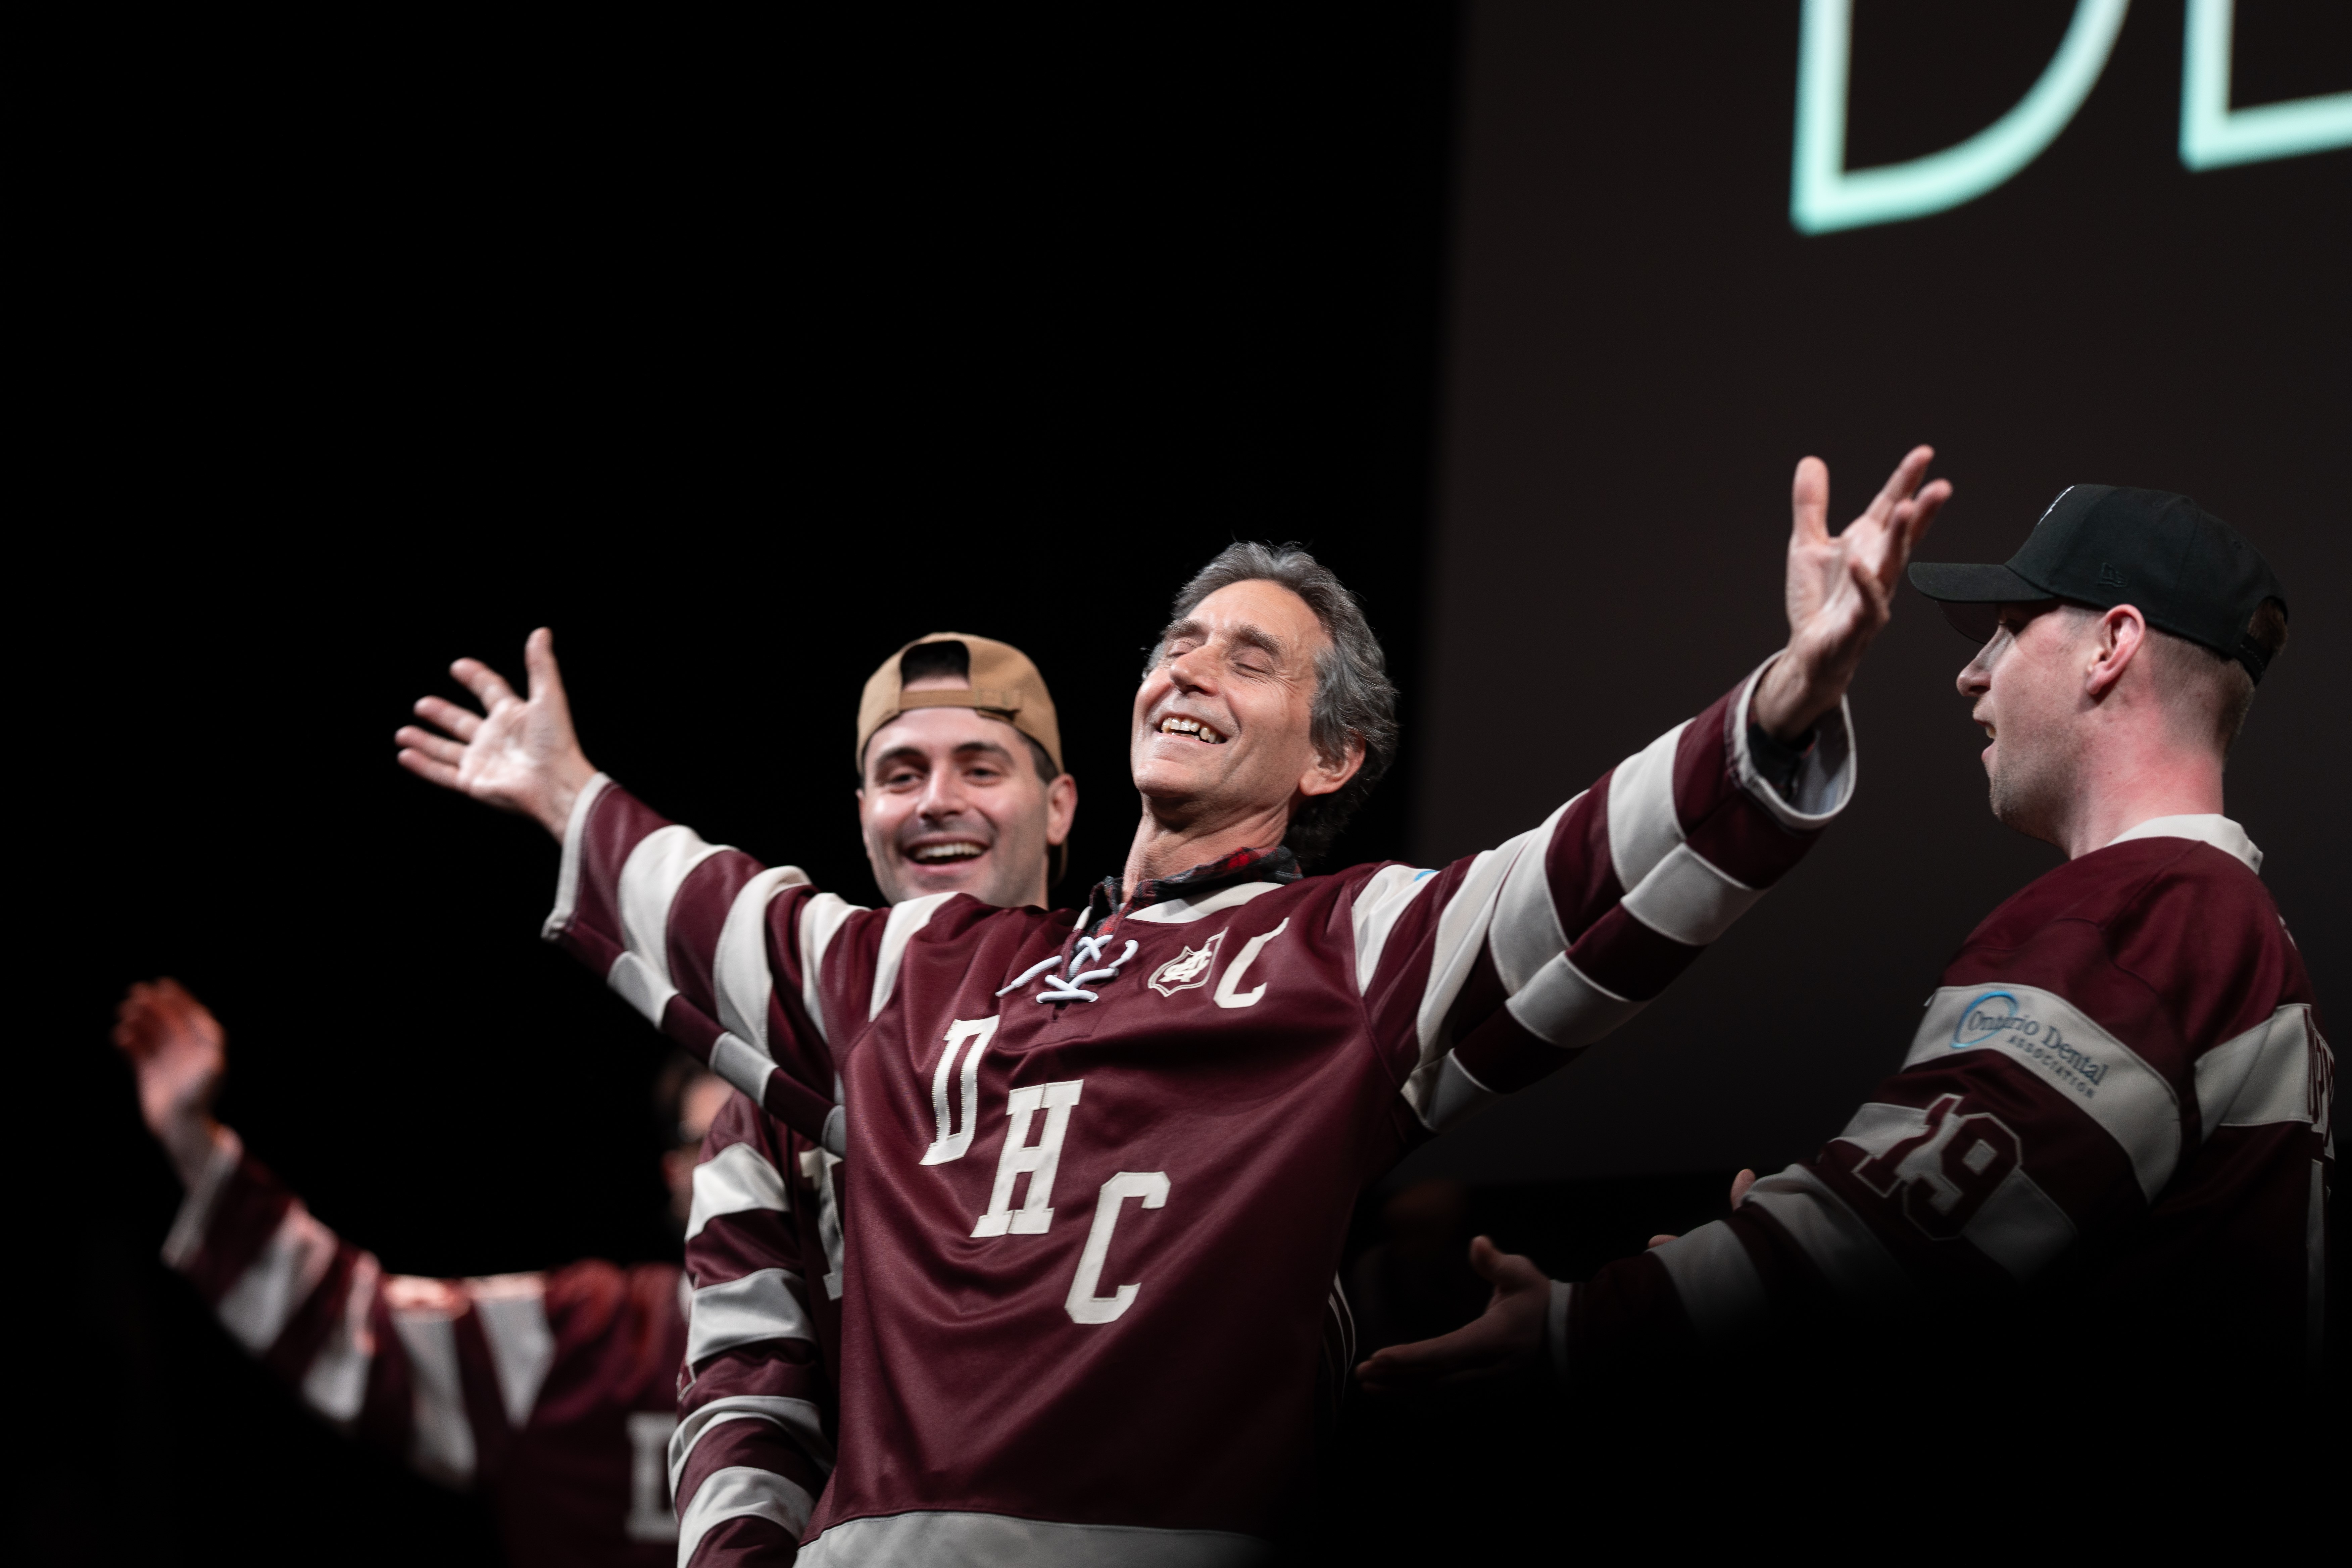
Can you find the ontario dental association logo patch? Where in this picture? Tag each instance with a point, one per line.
(1995, 1017)
(1187, 969)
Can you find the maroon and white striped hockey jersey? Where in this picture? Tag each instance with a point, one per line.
(554, 1394)
(1092, 1225)
(2120, 1089)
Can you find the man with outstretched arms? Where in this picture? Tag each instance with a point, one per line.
(551, 1393)
(2120, 1092)
(1102, 1164)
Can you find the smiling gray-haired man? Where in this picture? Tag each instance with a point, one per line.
(1102, 1162)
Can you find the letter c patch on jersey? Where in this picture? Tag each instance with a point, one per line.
(1187, 969)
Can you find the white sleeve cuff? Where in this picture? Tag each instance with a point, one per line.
(567, 880)
(196, 1216)
(1826, 784)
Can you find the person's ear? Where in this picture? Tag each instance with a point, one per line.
(2122, 634)
(1061, 807)
(1328, 776)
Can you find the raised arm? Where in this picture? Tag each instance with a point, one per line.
(519, 753)
(441, 1373)
(1492, 972)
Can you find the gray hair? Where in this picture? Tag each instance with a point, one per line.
(1353, 694)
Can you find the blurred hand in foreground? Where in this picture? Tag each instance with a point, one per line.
(179, 1051)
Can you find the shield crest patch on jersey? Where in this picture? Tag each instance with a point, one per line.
(1187, 969)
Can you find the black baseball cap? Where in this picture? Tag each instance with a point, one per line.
(2103, 545)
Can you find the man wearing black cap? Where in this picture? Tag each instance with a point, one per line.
(2119, 1095)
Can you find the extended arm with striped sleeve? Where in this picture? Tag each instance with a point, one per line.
(739, 964)
(756, 1405)
(2120, 1083)
(1491, 973)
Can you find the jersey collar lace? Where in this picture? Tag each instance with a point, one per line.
(1098, 927)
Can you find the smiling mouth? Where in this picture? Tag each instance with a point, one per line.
(1174, 725)
(946, 854)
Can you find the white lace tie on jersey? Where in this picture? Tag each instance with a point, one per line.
(1070, 988)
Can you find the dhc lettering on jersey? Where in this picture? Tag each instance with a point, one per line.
(952, 1145)
(1037, 1160)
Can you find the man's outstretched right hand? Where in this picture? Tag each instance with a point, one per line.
(519, 754)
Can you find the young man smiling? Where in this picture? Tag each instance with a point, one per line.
(1103, 1164)
(2119, 1098)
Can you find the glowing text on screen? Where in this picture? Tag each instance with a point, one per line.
(1825, 195)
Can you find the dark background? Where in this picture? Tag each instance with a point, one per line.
(743, 356)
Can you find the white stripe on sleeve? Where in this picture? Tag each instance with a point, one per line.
(758, 1306)
(798, 1418)
(1642, 827)
(1562, 1006)
(1527, 934)
(1461, 934)
(739, 971)
(822, 918)
(1687, 898)
(650, 878)
(1721, 1292)
(2055, 1041)
(906, 920)
(279, 1279)
(1443, 1099)
(735, 1179)
(743, 1065)
(423, 1314)
(335, 1385)
(513, 1309)
(567, 880)
(1385, 896)
(734, 1492)
(1839, 1241)
(2261, 1076)
(195, 1215)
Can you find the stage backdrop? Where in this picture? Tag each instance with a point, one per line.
(1652, 317)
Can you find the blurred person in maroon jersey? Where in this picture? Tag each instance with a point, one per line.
(2116, 1115)
(557, 1393)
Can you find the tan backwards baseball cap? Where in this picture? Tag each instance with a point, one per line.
(1000, 682)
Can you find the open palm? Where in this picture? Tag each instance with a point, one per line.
(178, 1051)
(519, 753)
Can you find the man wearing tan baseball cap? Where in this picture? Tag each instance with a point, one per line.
(960, 780)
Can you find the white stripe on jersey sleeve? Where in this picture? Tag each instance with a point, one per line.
(513, 1309)
(822, 918)
(423, 1314)
(1642, 827)
(1527, 934)
(1461, 934)
(1447, 1097)
(650, 878)
(797, 1417)
(634, 982)
(567, 880)
(740, 970)
(335, 1385)
(742, 1066)
(758, 1306)
(1562, 1006)
(734, 1492)
(1687, 898)
(1721, 1292)
(287, 1269)
(2261, 1076)
(195, 1215)
(735, 1179)
(2058, 1043)
(1387, 895)
(2020, 1226)
(906, 920)
(1839, 1241)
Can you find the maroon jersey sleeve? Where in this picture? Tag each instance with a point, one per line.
(1486, 975)
(752, 971)
(755, 1402)
(2122, 1070)
(546, 1391)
